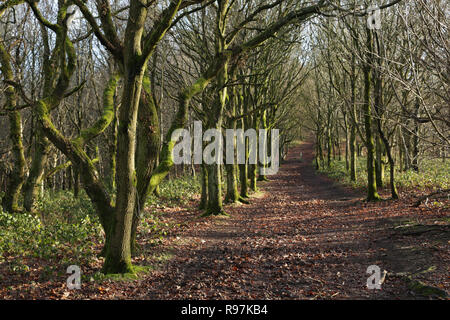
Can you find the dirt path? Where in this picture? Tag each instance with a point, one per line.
(305, 238)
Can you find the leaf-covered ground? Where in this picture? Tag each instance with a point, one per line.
(303, 236)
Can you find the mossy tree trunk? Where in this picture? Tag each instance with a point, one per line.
(253, 167)
(10, 202)
(204, 182)
(215, 204)
(147, 179)
(58, 82)
(76, 182)
(118, 254)
(231, 169)
(232, 194)
(112, 152)
(316, 146)
(265, 145)
(148, 146)
(35, 180)
(215, 120)
(136, 52)
(215, 113)
(243, 167)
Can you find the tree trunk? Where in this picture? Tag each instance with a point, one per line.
(10, 202)
(372, 193)
(35, 180)
(379, 169)
(415, 138)
(354, 123)
(204, 181)
(347, 146)
(253, 168)
(353, 152)
(118, 254)
(262, 177)
(215, 206)
(148, 146)
(243, 167)
(17, 175)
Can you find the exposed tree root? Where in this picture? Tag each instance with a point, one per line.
(424, 198)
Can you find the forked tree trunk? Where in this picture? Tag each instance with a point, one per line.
(148, 146)
(118, 253)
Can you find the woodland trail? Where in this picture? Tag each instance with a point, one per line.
(302, 237)
(305, 238)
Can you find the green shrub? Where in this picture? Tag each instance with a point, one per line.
(154, 227)
(67, 231)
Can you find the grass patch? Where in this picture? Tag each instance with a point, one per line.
(162, 257)
(138, 273)
(445, 219)
(422, 289)
(433, 174)
(176, 192)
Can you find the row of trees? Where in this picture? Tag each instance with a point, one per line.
(93, 91)
(120, 41)
(385, 88)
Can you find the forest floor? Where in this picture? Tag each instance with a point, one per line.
(303, 236)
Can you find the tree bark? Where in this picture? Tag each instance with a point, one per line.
(372, 193)
(17, 175)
